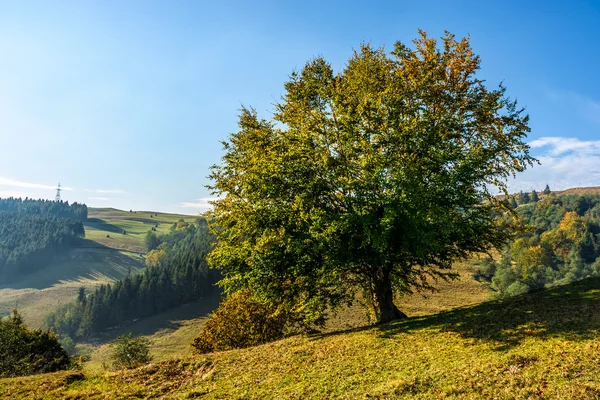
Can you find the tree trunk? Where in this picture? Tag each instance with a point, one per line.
(383, 300)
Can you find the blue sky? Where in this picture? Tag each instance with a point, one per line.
(125, 102)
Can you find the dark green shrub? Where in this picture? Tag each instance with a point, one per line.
(241, 321)
(26, 352)
(130, 352)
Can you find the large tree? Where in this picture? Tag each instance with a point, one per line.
(377, 177)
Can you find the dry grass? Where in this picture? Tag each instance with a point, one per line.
(541, 345)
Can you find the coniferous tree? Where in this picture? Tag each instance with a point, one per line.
(513, 202)
(33, 234)
(523, 197)
(181, 276)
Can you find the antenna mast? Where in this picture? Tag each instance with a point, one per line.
(58, 190)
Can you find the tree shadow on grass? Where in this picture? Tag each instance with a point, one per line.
(165, 322)
(90, 261)
(102, 225)
(571, 311)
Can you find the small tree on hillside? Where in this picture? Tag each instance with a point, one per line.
(373, 178)
(81, 297)
(547, 190)
(534, 196)
(25, 351)
(130, 352)
(151, 240)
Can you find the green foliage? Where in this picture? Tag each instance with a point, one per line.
(58, 209)
(560, 245)
(547, 190)
(373, 178)
(486, 269)
(130, 352)
(25, 352)
(33, 233)
(534, 196)
(29, 242)
(68, 345)
(179, 276)
(524, 197)
(151, 241)
(241, 321)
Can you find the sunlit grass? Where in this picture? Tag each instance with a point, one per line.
(541, 345)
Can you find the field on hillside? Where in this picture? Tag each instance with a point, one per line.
(534, 346)
(171, 332)
(106, 226)
(99, 260)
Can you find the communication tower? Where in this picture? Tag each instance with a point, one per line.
(58, 190)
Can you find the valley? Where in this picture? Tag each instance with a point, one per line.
(106, 255)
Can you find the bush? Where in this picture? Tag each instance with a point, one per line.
(516, 288)
(26, 352)
(130, 352)
(241, 321)
(486, 270)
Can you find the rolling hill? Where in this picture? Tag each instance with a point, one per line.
(538, 345)
(456, 343)
(171, 332)
(114, 247)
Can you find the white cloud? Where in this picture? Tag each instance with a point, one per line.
(100, 198)
(29, 185)
(561, 145)
(202, 203)
(110, 191)
(565, 163)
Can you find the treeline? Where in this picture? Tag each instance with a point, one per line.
(560, 244)
(178, 275)
(58, 209)
(30, 242)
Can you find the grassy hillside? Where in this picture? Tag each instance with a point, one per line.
(540, 345)
(99, 260)
(579, 191)
(170, 333)
(103, 222)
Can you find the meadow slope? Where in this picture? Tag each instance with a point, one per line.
(171, 332)
(539, 345)
(114, 247)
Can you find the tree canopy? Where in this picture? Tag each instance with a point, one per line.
(25, 352)
(377, 177)
(562, 245)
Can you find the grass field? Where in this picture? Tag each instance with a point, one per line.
(103, 222)
(99, 260)
(536, 346)
(171, 332)
(455, 344)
